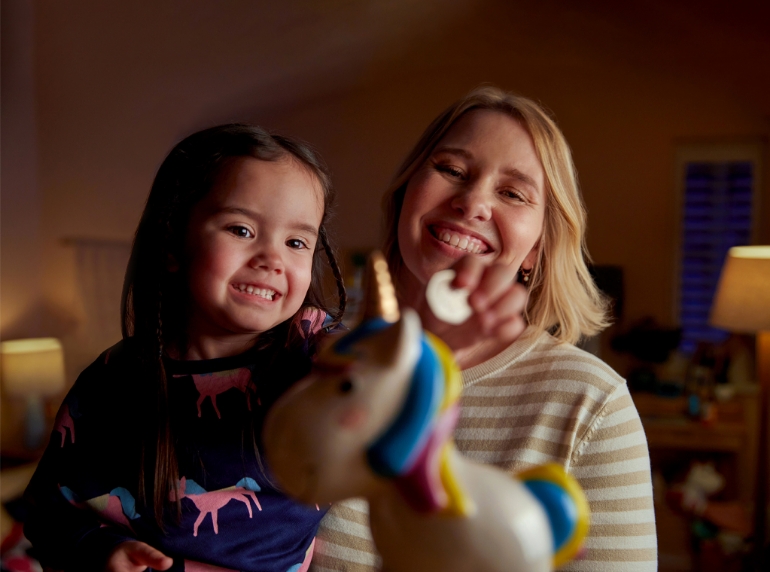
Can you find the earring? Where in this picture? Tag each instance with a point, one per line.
(524, 275)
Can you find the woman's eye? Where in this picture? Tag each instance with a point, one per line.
(296, 243)
(513, 194)
(449, 170)
(241, 231)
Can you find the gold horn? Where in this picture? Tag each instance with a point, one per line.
(380, 295)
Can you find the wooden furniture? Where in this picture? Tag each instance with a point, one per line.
(731, 439)
(675, 441)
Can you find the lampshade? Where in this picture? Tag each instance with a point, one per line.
(742, 302)
(32, 367)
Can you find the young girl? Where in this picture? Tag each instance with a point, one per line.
(154, 459)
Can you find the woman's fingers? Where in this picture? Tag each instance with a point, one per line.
(469, 271)
(504, 319)
(135, 556)
(498, 302)
(494, 283)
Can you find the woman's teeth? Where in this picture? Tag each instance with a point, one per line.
(461, 241)
(261, 292)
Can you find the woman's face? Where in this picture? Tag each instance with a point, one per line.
(481, 192)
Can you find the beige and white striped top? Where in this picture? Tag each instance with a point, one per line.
(541, 401)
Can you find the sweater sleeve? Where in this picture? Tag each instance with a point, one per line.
(344, 542)
(612, 465)
(64, 536)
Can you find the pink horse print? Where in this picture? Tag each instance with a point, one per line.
(210, 502)
(212, 384)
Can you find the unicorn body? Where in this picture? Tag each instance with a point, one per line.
(374, 419)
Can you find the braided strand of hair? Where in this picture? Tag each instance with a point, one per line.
(333, 264)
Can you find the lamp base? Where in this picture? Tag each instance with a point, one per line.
(34, 429)
(763, 456)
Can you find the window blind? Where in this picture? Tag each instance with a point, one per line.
(717, 215)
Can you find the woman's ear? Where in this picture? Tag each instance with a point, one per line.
(531, 259)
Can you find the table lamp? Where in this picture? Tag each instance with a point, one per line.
(742, 304)
(32, 369)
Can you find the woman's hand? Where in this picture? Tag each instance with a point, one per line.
(135, 556)
(498, 302)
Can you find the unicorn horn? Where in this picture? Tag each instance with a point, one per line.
(380, 295)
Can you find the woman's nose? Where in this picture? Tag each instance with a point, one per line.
(474, 202)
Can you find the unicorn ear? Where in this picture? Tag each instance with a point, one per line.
(380, 295)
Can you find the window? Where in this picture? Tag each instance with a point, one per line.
(717, 204)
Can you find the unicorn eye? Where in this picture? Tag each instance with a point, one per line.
(346, 386)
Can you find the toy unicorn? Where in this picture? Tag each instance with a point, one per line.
(374, 419)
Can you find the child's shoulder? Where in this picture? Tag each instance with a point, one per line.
(309, 327)
(119, 359)
(310, 320)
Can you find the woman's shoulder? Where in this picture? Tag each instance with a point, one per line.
(539, 361)
(560, 354)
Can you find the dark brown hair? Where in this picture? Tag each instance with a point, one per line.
(155, 300)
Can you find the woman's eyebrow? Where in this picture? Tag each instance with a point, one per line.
(519, 176)
(509, 172)
(455, 151)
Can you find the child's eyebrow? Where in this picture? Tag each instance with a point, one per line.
(300, 226)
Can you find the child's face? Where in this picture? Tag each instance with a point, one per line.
(249, 248)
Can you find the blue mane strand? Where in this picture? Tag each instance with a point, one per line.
(394, 452)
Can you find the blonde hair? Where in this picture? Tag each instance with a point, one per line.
(563, 296)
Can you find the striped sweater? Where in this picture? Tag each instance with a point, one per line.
(541, 401)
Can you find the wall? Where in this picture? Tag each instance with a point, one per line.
(106, 90)
(21, 290)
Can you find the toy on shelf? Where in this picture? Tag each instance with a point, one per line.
(693, 498)
(374, 419)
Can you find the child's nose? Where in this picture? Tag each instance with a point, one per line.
(267, 259)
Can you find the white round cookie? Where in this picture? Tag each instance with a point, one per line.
(449, 304)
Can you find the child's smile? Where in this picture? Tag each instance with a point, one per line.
(255, 290)
(249, 249)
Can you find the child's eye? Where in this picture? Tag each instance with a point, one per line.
(241, 231)
(296, 243)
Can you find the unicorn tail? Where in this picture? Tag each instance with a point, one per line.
(566, 506)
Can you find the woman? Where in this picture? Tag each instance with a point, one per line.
(490, 190)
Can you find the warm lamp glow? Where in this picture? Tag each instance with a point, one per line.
(32, 367)
(742, 302)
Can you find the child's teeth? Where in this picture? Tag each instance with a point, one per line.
(261, 292)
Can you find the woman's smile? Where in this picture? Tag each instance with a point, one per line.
(459, 239)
